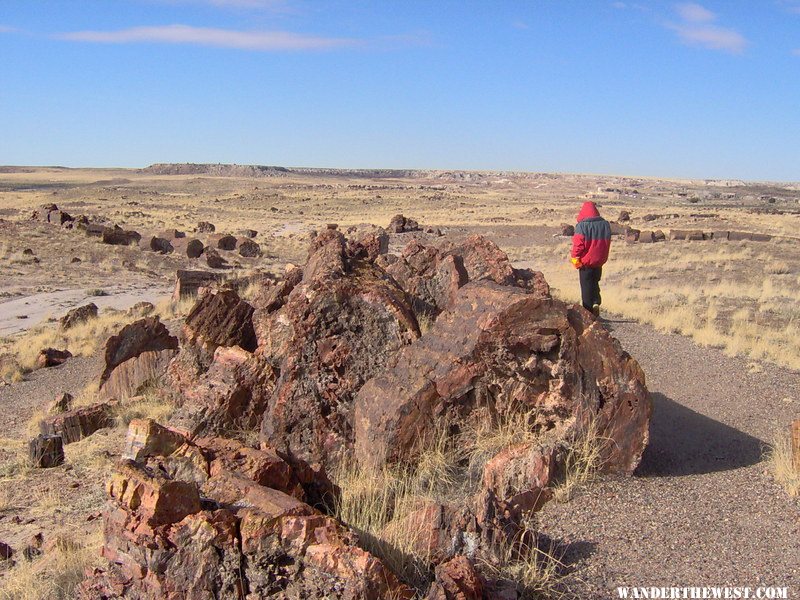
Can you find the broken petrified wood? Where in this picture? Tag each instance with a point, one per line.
(45, 451)
(74, 425)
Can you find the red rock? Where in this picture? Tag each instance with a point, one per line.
(500, 334)
(338, 327)
(214, 260)
(646, 237)
(232, 393)
(679, 234)
(50, 357)
(147, 438)
(456, 579)
(155, 499)
(79, 315)
(74, 425)
(136, 356)
(220, 318)
(6, 551)
(205, 227)
(59, 217)
(194, 248)
(400, 224)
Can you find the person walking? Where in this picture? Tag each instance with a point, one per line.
(590, 246)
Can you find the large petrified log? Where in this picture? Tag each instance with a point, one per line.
(500, 349)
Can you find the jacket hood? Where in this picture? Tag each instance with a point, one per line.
(588, 210)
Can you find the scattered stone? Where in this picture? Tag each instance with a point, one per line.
(27, 252)
(248, 248)
(93, 229)
(624, 216)
(46, 451)
(75, 259)
(631, 234)
(194, 248)
(205, 227)
(74, 425)
(248, 233)
(658, 236)
(79, 315)
(119, 237)
(567, 230)
(400, 224)
(226, 242)
(51, 357)
(649, 217)
(161, 245)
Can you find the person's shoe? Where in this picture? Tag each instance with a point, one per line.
(596, 310)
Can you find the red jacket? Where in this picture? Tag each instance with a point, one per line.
(592, 239)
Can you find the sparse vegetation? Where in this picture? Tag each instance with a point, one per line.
(781, 462)
(55, 575)
(386, 506)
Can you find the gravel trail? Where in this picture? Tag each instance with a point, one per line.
(702, 509)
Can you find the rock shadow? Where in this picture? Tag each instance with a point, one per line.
(685, 442)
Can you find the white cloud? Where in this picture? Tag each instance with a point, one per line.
(6, 29)
(713, 38)
(619, 5)
(796, 51)
(520, 25)
(221, 38)
(697, 28)
(694, 13)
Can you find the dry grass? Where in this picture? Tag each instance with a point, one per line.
(535, 572)
(780, 460)
(732, 302)
(582, 462)
(381, 503)
(150, 405)
(54, 576)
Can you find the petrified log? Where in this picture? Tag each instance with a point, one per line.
(74, 425)
(45, 451)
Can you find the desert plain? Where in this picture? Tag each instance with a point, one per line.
(702, 289)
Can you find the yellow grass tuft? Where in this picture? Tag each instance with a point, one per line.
(54, 576)
(583, 461)
(780, 460)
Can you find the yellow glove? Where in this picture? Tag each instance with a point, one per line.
(576, 262)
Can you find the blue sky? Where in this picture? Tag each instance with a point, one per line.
(673, 89)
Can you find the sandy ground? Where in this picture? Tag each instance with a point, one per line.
(23, 313)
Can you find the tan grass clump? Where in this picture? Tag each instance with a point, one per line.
(582, 463)
(54, 576)
(779, 457)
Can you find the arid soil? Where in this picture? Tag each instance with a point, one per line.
(702, 508)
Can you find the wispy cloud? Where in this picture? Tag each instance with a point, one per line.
(221, 38)
(6, 29)
(796, 52)
(793, 6)
(697, 28)
(273, 5)
(520, 25)
(694, 13)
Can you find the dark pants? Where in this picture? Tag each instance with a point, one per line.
(590, 286)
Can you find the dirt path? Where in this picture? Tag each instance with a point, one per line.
(702, 509)
(20, 314)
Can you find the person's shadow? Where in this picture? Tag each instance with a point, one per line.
(684, 442)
